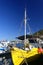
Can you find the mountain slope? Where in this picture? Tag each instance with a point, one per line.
(39, 33)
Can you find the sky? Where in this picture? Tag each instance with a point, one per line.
(12, 17)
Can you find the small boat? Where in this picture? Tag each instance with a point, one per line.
(4, 51)
(2, 48)
(28, 54)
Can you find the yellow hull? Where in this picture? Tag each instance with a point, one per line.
(19, 56)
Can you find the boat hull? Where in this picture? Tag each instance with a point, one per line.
(20, 56)
(37, 60)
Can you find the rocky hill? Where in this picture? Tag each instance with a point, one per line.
(35, 35)
(40, 33)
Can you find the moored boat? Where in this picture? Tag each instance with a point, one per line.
(29, 53)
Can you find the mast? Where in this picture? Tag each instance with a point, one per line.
(25, 25)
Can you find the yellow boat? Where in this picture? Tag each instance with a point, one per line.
(19, 56)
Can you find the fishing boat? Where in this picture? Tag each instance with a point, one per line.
(27, 54)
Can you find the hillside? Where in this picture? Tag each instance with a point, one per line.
(35, 35)
(39, 33)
